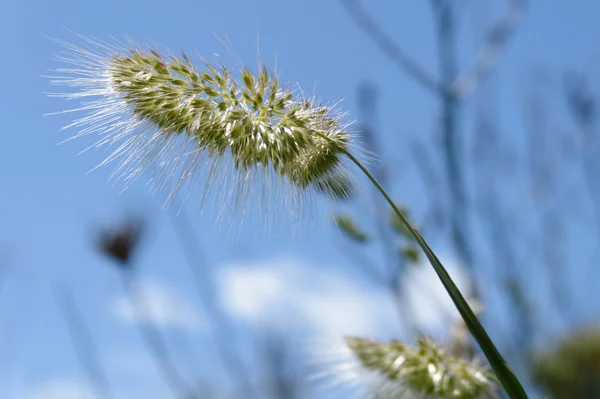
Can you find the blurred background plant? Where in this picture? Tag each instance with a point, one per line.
(515, 205)
(571, 368)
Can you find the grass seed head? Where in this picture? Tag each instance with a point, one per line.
(244, 133)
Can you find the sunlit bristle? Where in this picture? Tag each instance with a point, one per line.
(244, 134)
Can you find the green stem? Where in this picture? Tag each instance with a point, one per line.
(509, 381)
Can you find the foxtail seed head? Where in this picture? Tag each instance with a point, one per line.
(426, 371)
(162, 111)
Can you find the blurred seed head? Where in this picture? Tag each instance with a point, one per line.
(395, 370)
(460, 342)
(570, 369)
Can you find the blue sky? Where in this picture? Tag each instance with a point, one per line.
(49, 205)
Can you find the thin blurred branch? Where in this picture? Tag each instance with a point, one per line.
(283, 379)
(120, 244)
(394, 260)
(6, 253)
(506, 272)
(425, 166)
(153, 338)
(363, 263)
(389, 47)
(367, 97)
(583, 107)
(452, 139)
(553, 252)
(486, 59)
(545, 169)
(501, 230)
(83, 342)
(204, 285)
(463, 84)
(431, 180)
(453, 88)
(434, 217)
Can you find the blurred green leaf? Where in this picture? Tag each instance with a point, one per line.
(410, 254)
(396, 223)
(350, 228)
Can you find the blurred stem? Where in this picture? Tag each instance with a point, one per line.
(506, 272)
(153, 339)
(83, 343)
(591, 183)
(451, 138)
(553, 240)
(506, 377)
(389, 47)
(395, 262)
(204, 286)
(589, 168)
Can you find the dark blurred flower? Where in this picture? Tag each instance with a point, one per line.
(120, 242)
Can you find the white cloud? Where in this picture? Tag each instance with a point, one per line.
(158, 304)
(289, 290)
(248, 291)
(313, 306)
(61, 389)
